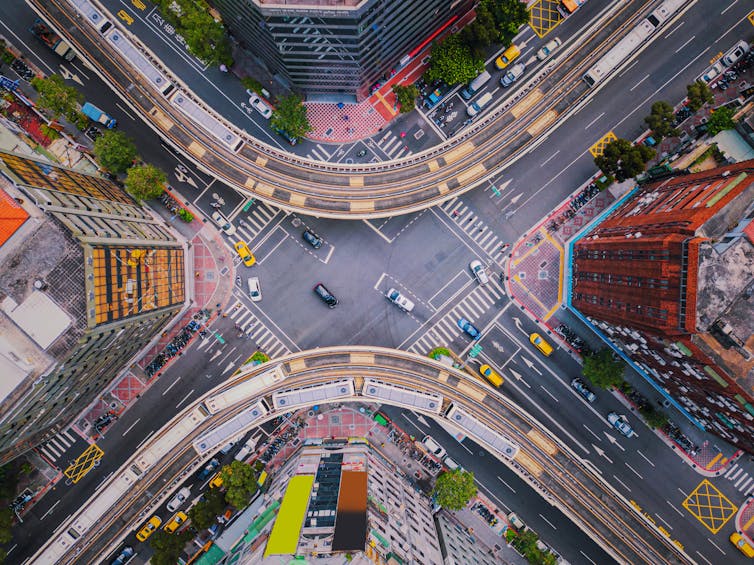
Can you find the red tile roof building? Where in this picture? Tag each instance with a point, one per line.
(12, 216)
(669, 275)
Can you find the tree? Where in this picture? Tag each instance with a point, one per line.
(240, 482)
(115, 151)
(56, 96)
(144, 182)
(290, 116)
(454, 489)
(509, 16)
(203, 513)
(699, 94)
(719, 120)
(661, 119)
(653, 417)
(205, 37)
(406, 96)
(482, 32)
(167, 547)
(6, 524)
(602, 370)
(453, 62)
(623, 160)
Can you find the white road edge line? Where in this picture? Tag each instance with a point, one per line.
(506, 484)
(131, 426)
(645, 458)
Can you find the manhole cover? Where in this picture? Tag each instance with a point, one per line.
(522, 276)
(328, 133)
(295, 222)
(224, 271)
(419, 134)
(543, 275)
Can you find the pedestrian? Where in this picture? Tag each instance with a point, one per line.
(223, 68)
(455, 213)
(196, 274)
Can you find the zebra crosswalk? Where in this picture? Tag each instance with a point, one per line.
(472, 226)
(249, 224)
(258, 333)
(742, 480)
(393, 146)
(54, 448)
(446, 329)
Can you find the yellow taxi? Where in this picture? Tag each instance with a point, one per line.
(174, 522)
(740, 542)
(538, 342)
(217, 481)
(149, 528)
(491, 375)
(508, 55)
(245, 253)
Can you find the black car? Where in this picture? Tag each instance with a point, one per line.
(326, 296)
(312, 239)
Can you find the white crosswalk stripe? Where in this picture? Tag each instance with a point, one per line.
(258, 333)
(56, 446)
(446, 329)
(470, 224)
(393, 146)
(743, 480)
(254, 221)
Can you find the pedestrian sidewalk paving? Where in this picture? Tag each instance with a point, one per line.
(265, 341)
(745, 520)
(445, 330)
(468, 221)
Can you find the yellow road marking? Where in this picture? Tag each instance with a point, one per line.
(356, 180)
(84, 463)
(123, 15)
(139, 4)
(715, 460)
(544, 443)
(544, 16)
(362, 358)
(710, 506)
(471, 391)
(362, 205)
(599, 148)
(531, 466)
(541, 123)
(472, 173)
(458, 153)
(549, 314)
(197, 149)
(390, 108)
(750, 17)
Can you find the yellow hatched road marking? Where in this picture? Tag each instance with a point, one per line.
(472, 173)
(750, 17)
(356, 180)
(542, 442)
(84, 463)
(366, 358)
(599, 148)
(197, 149)
(544, 16)
(362, 206)
(710, 506)
(473, 392)
(715, 460)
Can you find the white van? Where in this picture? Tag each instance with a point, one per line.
(510, 77)
(477, 106)
(475, 85)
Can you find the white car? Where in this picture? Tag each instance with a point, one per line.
(735, 53)
(246, 450)
(621, 424)
(478, 270)
(450, 463)
(399, 300)
(180, 497)
(223, 222)
(433, 447)
(259, 105)
(255, 291)
(547, 50)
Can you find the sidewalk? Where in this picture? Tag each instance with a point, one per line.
(745, 520)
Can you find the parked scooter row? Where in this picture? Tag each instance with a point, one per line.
(175, 346)
(22, 69)
(573, 339)
(488, 516)
(170, 203)
(574, 205)
(675, 433)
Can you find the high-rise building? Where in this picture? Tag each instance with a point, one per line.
(669, 276)
(337, 49)
(87, 281)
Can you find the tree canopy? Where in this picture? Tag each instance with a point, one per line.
(205, 37)
(115, 151)
(290, 116)
(509, 16)
(452, 61)
(623, 160)
(168, 547)
(602, 370)
(406, 97)
(454, 489)
(661, 119)
(699, 94)
(719, 120)
(56, 96)
(145, 182)
(240, 482)
(526, 543)
(204, 512)
(482, 32)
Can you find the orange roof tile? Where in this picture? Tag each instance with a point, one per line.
(12, 216)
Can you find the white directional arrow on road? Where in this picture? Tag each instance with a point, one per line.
(614, 441)
(519, 377)
(422, 420)
(516, 198)
(229, 367)
(601, 453)
(519, 326)
(68, 75)
(531, 366)
(216, 355)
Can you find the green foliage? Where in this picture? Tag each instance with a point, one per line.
(205, 37)
(602, 370)
(509, 16)
(115, 151)
(185, 215)
(240, 482)
(251, 83)
(203, 513)
(6, 523)
(55, 96)
(406, 96)
(78, 119)
(7, 57)
(26, 468)
(453, 62)
(290, 116)
(167, 547)
(526, 544)
(454, 489)
(660, 120)
(721, 119)
(603, 184)
(145, 182)
(482, 32)
(699, 94)
(624, 160)
(437, 351)
(49, 132)
(654, 418)
(260, 356)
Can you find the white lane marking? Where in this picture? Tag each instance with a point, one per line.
(506, 484)
(675, 29)
(131, 426)
(551, 157)
(185, 398)
(674, 508)
(591, 432)
(146, 437)
(645, 458)
(171, 386)
(466, 448)
(703, 557)
(550, 523)
(717, 546)
(664, 521)
(685, 44)
(622, 483)
(49, 511)
(729, 7)
(585, 555)
(638, 83)
(548, 392)
(587, 126)
(635, 472)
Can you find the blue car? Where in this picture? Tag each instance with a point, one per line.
(208, 470)
(466, 326)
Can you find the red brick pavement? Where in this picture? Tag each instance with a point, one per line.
(745, 520)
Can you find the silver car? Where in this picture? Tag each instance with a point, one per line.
(479, 272)
(180, 497)
(620, 423)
